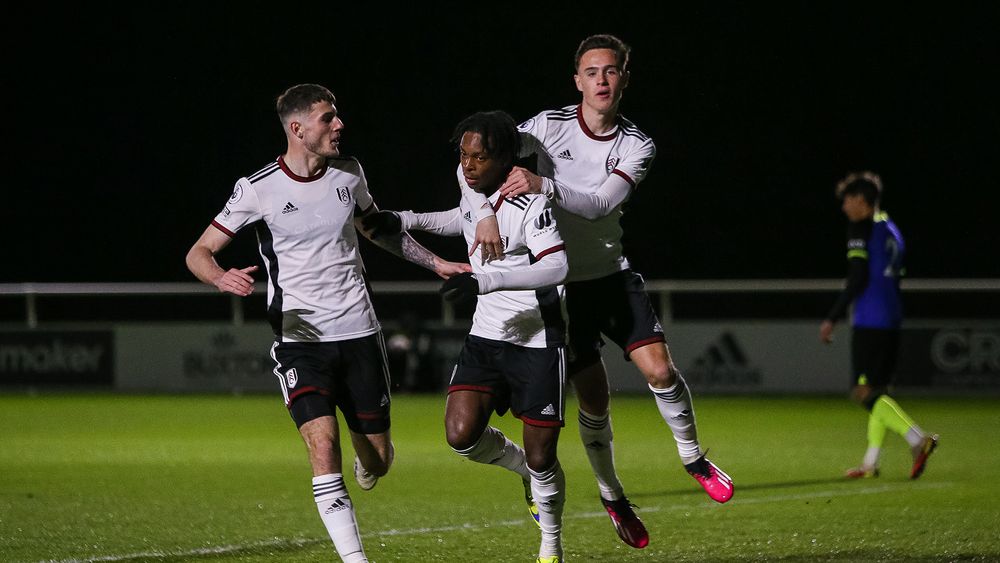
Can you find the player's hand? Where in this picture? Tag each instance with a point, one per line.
(381, 223)
(447, 269)
(521, 181)
(826, 332)
(488, 237)
(460, 288)
(237, 281)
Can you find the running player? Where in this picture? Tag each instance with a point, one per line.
(875, 251)
(590, 159)
(513, 357)
(328, 348)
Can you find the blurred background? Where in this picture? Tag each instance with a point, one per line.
(128, 127)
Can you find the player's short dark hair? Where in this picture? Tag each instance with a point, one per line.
(603, 41)
(866, 183)
(300, 98)
(500, 137)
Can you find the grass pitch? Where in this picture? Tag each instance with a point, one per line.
(166, 478)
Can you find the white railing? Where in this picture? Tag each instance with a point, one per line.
(30, 292)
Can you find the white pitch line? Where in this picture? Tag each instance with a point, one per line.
(469, 527)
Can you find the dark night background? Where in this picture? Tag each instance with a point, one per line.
(130, 127)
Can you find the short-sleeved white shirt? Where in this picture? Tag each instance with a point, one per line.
(316, 286)
(577, 159)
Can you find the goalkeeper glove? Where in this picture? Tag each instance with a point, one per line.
(460, 288)
(382, 223)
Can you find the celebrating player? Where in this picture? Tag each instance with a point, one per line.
(875, 251)
(590, 159)
(328, 348)
(514, 356)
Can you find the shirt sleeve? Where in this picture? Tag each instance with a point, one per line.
(549, 266)
(362, 197)
(242, 209)
(448, 223)
(612, 193)
(857, 268)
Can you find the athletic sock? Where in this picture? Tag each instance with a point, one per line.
(598, 442)
(494, 448)
(677, 411)
(872, 455)
(337, 513)
(895, 418)
(549, 490)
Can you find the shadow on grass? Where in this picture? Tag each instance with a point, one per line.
(741, 486)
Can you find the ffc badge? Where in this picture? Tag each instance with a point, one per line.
(344, 195)
(612, 162)
(237, 194)
(292, 377)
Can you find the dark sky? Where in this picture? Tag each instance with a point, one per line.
(129, 128)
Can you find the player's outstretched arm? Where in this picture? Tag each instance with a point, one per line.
(403, 245)
(612, 193)
(201, 261)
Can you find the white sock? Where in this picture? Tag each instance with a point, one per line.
(494, 448)
(915, 437)
(871, 457)
(598, 442)
(677, 411)
(337, 512)
(549, 490)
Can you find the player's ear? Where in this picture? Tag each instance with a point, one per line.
(625, 77)
(579, 85)
(295, 128)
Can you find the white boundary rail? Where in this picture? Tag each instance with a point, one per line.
(30, 292)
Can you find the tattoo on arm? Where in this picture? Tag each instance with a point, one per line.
(405, 247)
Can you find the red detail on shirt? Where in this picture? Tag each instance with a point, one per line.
(550, 251)
(588, 132)
(226, 231)
(630, 181)
(288, 172)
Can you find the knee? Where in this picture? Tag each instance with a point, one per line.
(460, 434)
(541, 460)
(662, 375)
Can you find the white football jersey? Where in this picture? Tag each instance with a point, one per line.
(526, 317)
(577, 159)
(316, 289)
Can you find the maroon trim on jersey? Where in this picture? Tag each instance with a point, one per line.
(299, 392)
(288, 172)
(548, 251)
(480, 388)
(498, 204)
(588, 132)
(225, 231)
(635, 345)
(630, 181)
(544, 423)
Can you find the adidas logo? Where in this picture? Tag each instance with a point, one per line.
(337, 506)
(468, 216)
(549, 410)
(565, 155)
(289, 208)
(723, 363)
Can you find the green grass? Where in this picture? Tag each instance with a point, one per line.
(226, 478)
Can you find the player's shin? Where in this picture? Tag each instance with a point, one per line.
(549, 489)
(598, 442)
(494, 448)
(677, 411)
(337, 512)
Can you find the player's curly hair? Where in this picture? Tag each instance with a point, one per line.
(300, 98)
(866, 183)
(500, 137)
(603, 41)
